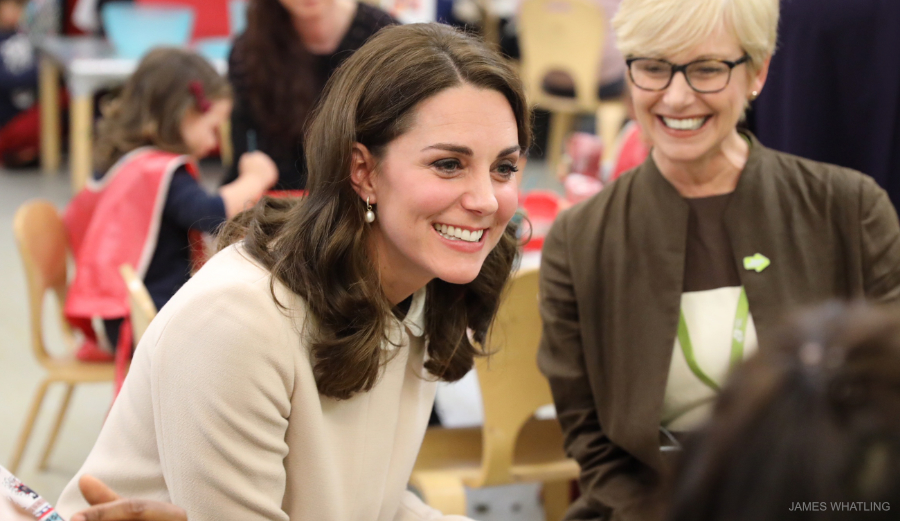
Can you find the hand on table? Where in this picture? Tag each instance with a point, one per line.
(108, 506)
(256, 174)
(260, 167)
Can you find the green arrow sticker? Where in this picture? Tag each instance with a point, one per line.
(757, 262)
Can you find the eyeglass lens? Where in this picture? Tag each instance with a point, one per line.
(703, 76)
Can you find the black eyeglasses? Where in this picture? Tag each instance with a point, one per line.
(704, 76)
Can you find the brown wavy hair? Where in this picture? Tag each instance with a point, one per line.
(151, 105)
(277, 72)
(318, 247)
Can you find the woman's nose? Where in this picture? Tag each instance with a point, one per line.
(679, 93)
(480, 196)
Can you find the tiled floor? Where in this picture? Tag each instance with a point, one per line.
(20, 373)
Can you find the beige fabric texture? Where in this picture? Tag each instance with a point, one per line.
(220, 414)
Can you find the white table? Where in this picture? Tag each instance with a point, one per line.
(89, 64)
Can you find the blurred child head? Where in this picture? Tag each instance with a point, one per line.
(813, 419)
(11, 12)
(174, 101)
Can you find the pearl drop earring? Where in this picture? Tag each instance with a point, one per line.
(370, 214)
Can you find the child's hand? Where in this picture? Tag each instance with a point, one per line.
(259, 167)
(108, 506)
(256, 174)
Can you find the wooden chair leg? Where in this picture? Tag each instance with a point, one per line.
(556, 499)
(56, 425)
(441, 491)
(29, 425)
(561, 124)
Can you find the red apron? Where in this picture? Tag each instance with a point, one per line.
(111, 222)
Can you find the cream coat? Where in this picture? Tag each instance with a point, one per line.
(220, 414)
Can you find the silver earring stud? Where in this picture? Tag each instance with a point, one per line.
(370, 214)
(754, 95)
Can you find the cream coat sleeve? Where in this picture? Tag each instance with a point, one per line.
(221, 378)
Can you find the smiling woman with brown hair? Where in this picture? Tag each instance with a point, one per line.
(293, 376)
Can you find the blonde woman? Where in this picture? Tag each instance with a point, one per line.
(656, 287)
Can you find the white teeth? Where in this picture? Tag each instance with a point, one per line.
(458, 234)
(684, 124)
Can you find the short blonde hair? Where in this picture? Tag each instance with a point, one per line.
(658, 28)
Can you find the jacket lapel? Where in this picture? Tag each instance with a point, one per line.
(647, 255)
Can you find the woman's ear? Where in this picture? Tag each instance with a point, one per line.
(362, 172)
(759, 79)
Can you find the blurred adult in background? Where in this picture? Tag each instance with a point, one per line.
(278, 69)
(19, 117)
(833, 92)
(654, 288)
(808, 430)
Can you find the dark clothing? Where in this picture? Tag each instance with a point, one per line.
(188, 207)
(612, 278)
(18, 75)
(292, 163)
(708, 258)
(833, 91)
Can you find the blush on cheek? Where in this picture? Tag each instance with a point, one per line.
(507, 202)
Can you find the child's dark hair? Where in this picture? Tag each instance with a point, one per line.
(149, 110)
(805, 429)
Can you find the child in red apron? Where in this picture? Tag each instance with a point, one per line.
(145, 207)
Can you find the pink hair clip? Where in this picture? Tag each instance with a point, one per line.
(197, 90)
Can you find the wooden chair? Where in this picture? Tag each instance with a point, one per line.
(512, 446)
(42, 242)
(142, 307)
(566, 36)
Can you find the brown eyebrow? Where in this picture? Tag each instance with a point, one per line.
(459, 149)
(466, 151)
(509, 150)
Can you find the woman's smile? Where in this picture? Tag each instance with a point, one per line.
(692, 123)
(459, 233)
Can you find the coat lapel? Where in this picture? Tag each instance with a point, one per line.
(646, 253)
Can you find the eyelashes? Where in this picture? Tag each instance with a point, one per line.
(452, 166)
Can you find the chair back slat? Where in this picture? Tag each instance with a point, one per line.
(562, 35)
(512, 386)
(143, 310)
(43, 246)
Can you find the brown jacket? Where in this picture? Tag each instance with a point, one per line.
(611, 284)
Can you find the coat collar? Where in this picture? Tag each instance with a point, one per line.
(413, 324)
(415, 317)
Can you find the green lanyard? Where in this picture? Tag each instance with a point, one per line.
(738, 335)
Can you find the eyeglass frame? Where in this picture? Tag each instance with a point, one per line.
(683, 70)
